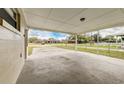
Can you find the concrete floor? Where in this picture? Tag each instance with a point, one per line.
(57, 66)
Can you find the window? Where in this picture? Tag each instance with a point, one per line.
(11, 16)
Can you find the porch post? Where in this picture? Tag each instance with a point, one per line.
(85, 42)
(97, 42)
(75, 41)
(121, 41)
(109, 46)
(91, 39)
(116, 41)
(26, 41)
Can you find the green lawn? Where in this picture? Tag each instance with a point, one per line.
(112, 46)
(115, 54)
(31, 46)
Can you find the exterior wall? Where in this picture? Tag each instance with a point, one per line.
(12, 53)
(24, 32)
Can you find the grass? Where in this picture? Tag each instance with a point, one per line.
(115, 54)
(112, 46)
(30, 49)
(31, 46)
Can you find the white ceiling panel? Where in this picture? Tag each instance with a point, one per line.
(89, 15)
(102, 21)
(62, 14)
(53, 24)
(43, 12)
(67, 27)
(68, 20)
(35, 21)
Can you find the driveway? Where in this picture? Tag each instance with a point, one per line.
(51, 65)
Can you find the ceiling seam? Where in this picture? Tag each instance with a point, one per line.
(49, 18)
(50, 12)
(121, 10)
(48, 15)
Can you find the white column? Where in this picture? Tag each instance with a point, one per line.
(97, 42)
(26, 42)
(98, 37)
(75, 41)
(91, 39)
(109, 46)
(66, 42)
(85, 43)
(116, 41)
(121, 41)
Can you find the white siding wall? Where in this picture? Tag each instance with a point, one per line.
(11, 47)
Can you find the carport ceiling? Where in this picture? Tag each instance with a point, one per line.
(68, 19)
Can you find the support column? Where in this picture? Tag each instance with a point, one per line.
(97, 42)
(26, 42)
(98, 37)
(85, 42)
(116, 42)
(91, 39)
(75, 41)
(121, 41)
(109, 46)
(66, 43)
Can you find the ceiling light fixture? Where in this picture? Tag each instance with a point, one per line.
(82, 19)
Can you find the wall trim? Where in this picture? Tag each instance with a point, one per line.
(8, 26)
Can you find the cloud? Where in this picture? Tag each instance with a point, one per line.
(109, 31)
(46, 35)
(112, 31)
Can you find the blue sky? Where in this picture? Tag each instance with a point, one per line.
(46, 35)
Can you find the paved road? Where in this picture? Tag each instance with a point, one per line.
(57, 66)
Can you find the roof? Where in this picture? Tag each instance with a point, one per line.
(67, 20)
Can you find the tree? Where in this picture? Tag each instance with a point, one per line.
(80, 38)
(34, 40)
(95, 37)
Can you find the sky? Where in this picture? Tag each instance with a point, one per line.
(59, 36)
(46, 34)
(112, 31)
(109, 31)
